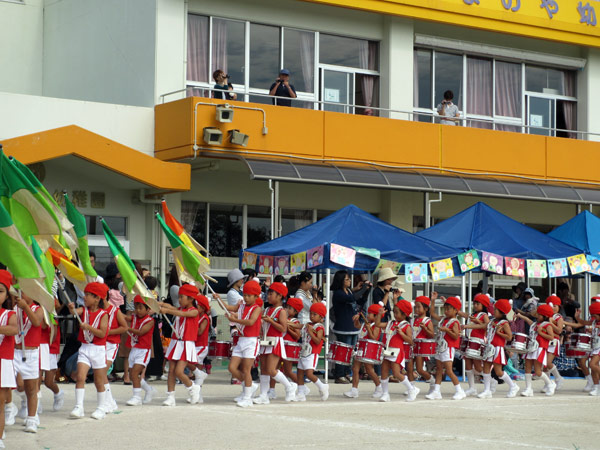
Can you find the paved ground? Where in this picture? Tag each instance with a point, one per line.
(569, 420)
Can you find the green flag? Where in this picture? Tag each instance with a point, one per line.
(80, 228)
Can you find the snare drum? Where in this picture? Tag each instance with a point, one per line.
(219, 349)
(475, 348)
(581, 341)
(408, 351)
(464, 341)
(573, 353)
(425, 348)
(518, 343)
(292, 350)
(340, 353)
(369, 351)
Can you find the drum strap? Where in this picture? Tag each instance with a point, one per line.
(492, 327)
(3, 322)
(265, 326)
(246, 317)
(134, 324)
(88, 335)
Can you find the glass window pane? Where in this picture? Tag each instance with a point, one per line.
(508, 89)
(535, 79)
(264, 55)
(299, 58)
(349, 52)
(225, 228)
(366, 93)
(118, 225)
(448, 76)
(197, 48)
(259, 225)
(479, 86)
(422, 79)
(294, 219)
(228, 43)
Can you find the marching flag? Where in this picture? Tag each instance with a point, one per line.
(131, 283)
(80, 227)
(71, 271)
(45, 299)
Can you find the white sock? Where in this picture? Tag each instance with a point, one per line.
(471, 378)
(60, 391)
(545, 378)
(457, 387)
(385, 385)
(23, 396)
(431, 380)
(507, 380)
(528, 378)
(437, 387)
(555, 373)
(301, 389)
(79, 396)
(281, 378)
(137, 392)
(264, 384)
(247, 392)
(487, 380)
(170, 393)
(145, 386)
(101, 399)
(477, 372)
(319, 384)
(406, 383)
(109, 396)
(590, 381)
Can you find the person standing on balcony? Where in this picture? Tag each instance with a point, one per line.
(222, 83)
(283, 88)
(448, 109)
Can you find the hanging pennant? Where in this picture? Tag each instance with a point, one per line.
(395, 266)
(537, 268)
(469, 260)
(341, 255)
(594, 263)
(249, 260)
(282, 265)
(441, 269)
(558, 267)
(492, 263)
(314, 257)
(578, 263)
(515, 267)
(372, 252)
(415, 273)
(298, 263)
(265, 264)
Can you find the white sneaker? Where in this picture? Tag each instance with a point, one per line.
(459, 395)
(484, 394)
(245, 402)
(544, 389)
(594, 391)
(194, 394)
(527, 393)
(262, 399)
(255, 387)
(30, 426)
(551, 389)
(412, 394)
(134, 401)
(435, 395)
(290, 393)
(378, 392)
(306, 390)
(559, 383)
(200, 380)
(471, 392)
(77, 412)
(10, 413)
(300, 397)
(149, 395)
(588, 387)
(169, 401)
(384, 398)
(239, 397)
(22, 414)
(512, 393)
(59, 401)
(431, 388)
(352, 393)
(493, 385)
(324, 392)
(110, 406)
(164, 377)
(2, 443)
(99, 414)
(272, 394)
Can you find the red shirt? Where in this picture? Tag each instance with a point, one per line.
(246, 313)
(396, 340)
(202, 339)
(497, 340)
(543, 342)
(33, 335)
(316, 348)
(186, 327)
(7, 343)
(113, 324)
(287, 336)
(478, 332)
(271, 330)
(364, 333)
(145, 340)
(94, 319)
(422, 334)
(452, 343)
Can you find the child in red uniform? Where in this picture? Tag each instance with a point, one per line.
(449, 337)
(477, 326)
(554, 347)
(140, 343)
(397, 332)
(368, 330)
(274, 326)
(92, 353)
(594, 355)
(543, 333)
(294, 327)
(49, 355)
(8, 330)
(499, 334)
(313, 335)
(247, 317)
(182, 348)
(116, 327)
(201, 342)
(422, 329)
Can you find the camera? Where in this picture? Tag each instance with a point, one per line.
(226, 76)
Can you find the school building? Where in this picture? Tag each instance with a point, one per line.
(112, 102)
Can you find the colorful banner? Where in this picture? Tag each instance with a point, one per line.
(537, 268)
(372, 252)
(492, 263)
(395, 266)
(594, 263)
(578, 263)
(558, 267)
(469, 260)
(282, 265)
(342, 255)
(314, 257)
(249, 260)
(515, 267)
(415, 273)
(265, 264)
(298, 263)
(441, 269)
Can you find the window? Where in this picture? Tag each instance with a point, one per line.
(228, 47)
(197, 48)
(259, 225)
(118, 225)
(264, 55)
(347, 52)
(299, 58)
(294, 219)
(448, 77)
(422, 79)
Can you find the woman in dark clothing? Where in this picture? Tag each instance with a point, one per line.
(382, 293)
(344, 309)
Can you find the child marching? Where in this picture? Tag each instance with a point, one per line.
(558, 324)
(313, 336)
(422, 329)
(477, 328)
(201, 343)
(8, 331)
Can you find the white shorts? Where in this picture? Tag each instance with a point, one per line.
(111, 351)
(30, 368)
(44, 356)
(247, 347)
(92, 355)
(139, 356)
(308, 362)
(539, 355)
(447, 355)
(53, 357)
(278, 349)
(554, 347)
(499, 356)
(182, 351)
(201, 353)
(7, 374)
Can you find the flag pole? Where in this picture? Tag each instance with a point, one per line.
(65, 295)
(23, 357)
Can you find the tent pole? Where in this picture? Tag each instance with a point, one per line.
(588, 295)
(470, 291)
(463, 292)
(328, 300)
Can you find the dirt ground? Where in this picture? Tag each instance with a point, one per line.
(568, 420)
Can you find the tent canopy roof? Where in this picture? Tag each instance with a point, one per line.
(582, 231)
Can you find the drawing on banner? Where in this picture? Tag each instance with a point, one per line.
(558, 267)
(515, 267)
(594, 263)
(469, 260)
(341, 255)
(298, 263)
(537, 268)
(415, 273)
(265, 264)
(492, 263)
(441, 269)
(282, 265)
(578, 263)
(395, 266)
(249, 260)
(314, 257)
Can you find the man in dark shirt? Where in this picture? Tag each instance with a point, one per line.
(283, 88)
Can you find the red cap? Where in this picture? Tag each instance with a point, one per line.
(189, 290)
(6, 278)
(545, 310)
(554, 300)
(596, 298)
(483, 299)
(319, 308)
(405, 306)
(280, 288)
(203, 301)
(295, 303)
(423, 299)
(98, 289)
(503, 305)
(252, 288)
(454, 302)
(259, 301)
(595, 308)
(374, 309)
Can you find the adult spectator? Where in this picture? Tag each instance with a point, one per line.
(448, 110)
(306, 293)
(344, 310)
(383, 292)
(235, 281)
(362, 288)
(569, 304)
(283, 88)
(222, 84)
(99, 279)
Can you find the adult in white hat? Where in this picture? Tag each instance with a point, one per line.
(383, 292)
(235, 281)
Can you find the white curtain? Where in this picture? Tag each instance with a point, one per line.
(416, 81)
(569, 114)
(197, 49)
(307, 59)
(479, 86)
(219, 45)
(367, 55)
(508, 89)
